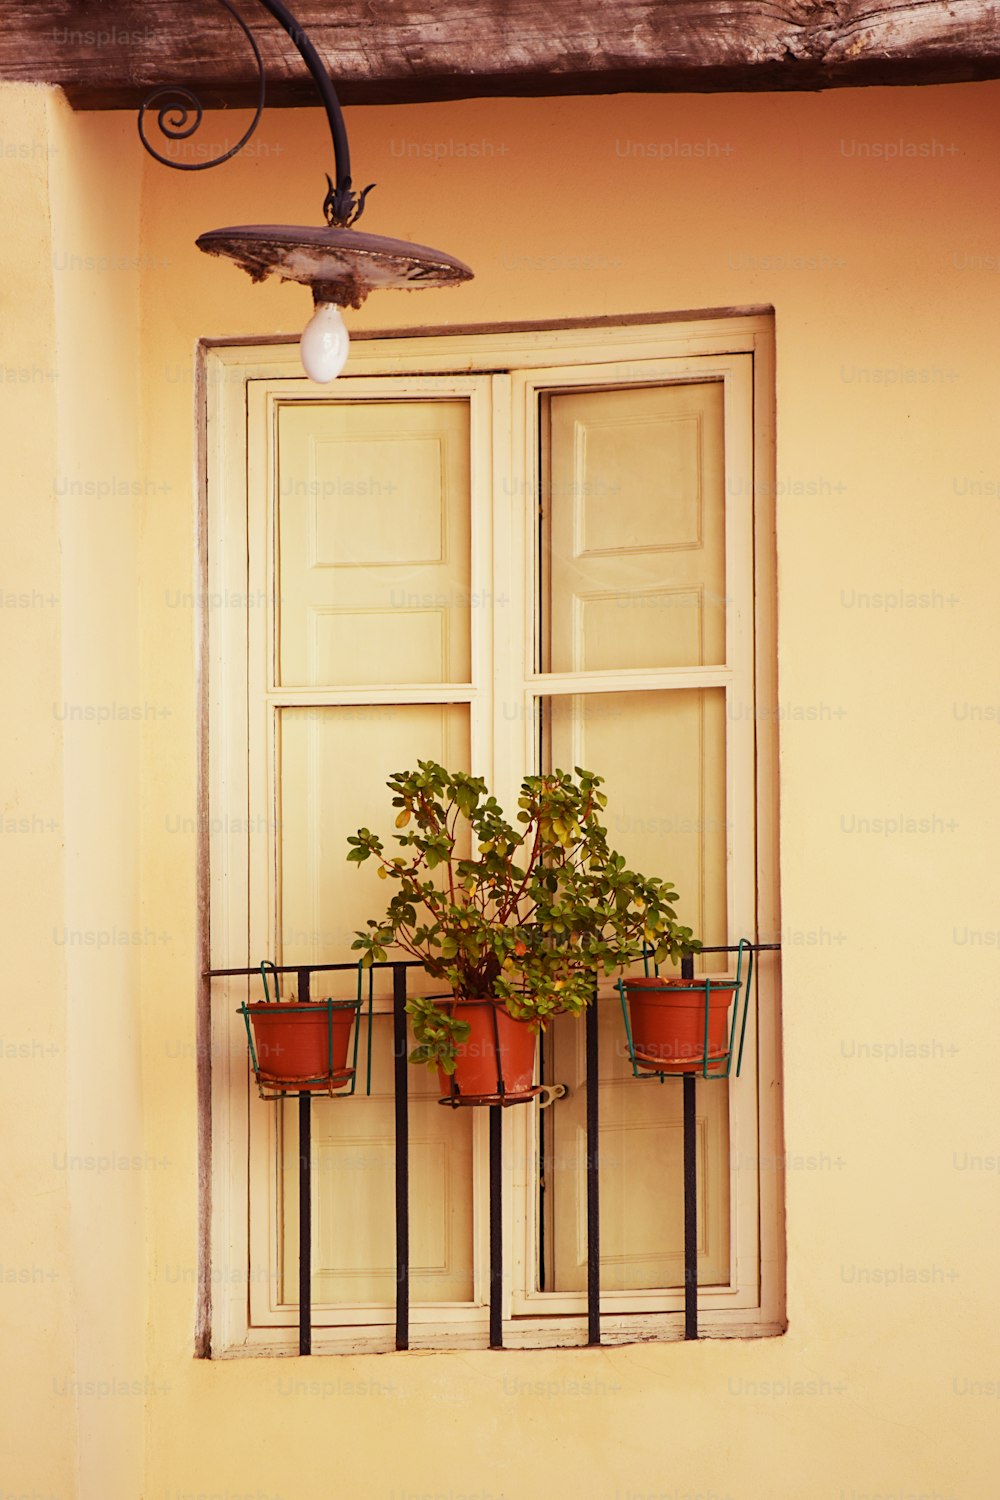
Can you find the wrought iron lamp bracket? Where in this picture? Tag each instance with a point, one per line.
(338, 264)
(175, 105)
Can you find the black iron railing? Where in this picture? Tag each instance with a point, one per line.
(303, 973)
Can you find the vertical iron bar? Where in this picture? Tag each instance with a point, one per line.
(402, 1158)
(542, 1249)
(690, 1193)
(593, 1181)
(496, 1226)
(305, 1201)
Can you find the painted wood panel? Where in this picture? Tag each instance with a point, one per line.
(354, 1242)
(663, 755)
(334, 763)
(635, 541)
(373, 543)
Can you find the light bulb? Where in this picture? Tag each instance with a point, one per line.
(324, 344)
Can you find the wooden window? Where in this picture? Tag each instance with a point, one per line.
(503, 551)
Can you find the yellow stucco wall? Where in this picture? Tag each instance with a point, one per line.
(37, 1290)
(73, 1263)
(104, 704)
(868, 219)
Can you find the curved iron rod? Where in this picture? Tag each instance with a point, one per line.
(313, 61)
(342, 205)
(179, 103)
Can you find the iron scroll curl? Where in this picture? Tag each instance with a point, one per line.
(175, 105)
(179, 112)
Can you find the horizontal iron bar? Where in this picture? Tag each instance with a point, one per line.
(414, 963)
(391, 963)
(735, 948)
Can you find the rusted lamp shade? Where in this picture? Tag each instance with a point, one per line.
(340, 265)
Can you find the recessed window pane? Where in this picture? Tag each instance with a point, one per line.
(633, 541)
(373, 526)
(335, 762)
(662, 755)
(354, 1223)
(334, 765)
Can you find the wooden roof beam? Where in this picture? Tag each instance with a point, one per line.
(409, 51)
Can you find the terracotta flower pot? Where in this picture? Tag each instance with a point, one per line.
(480, 1067)
(302, 1046)
(667, 1018)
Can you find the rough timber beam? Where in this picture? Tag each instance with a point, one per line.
(109, 55)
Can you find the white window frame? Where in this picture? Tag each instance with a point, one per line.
(240, 386)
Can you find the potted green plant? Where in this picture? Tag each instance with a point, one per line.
(517, 928)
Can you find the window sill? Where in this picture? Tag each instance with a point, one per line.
(519, 1335)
